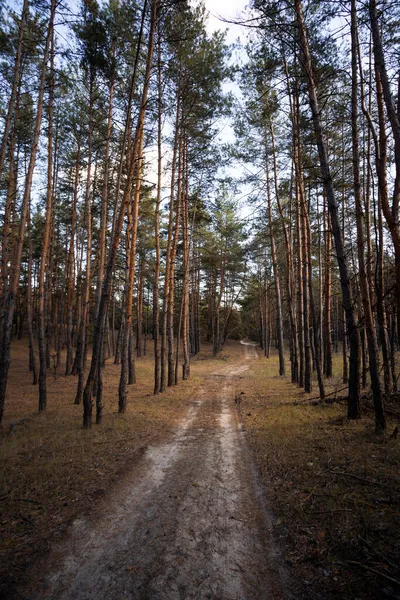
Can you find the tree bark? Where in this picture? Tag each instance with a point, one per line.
(354, 408)
(186, 273)
(13, 101)
(380, 421)
(99, 324)
(10, 300)
(82, 338)
(103, 245)
(156, 312)
(278, 300)
(44, 258)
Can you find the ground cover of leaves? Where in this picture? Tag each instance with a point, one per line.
(52, 471)
(332, 484)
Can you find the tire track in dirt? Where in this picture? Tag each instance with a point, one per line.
(189, 525)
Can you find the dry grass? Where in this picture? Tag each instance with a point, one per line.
(52, 470)
(333, 485)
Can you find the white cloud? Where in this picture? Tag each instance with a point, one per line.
(230, 10)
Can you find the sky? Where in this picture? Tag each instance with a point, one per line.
(220, 11)
(227, 9)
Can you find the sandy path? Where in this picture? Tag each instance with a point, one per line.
(189, 525)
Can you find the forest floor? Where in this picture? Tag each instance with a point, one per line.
(232, 485)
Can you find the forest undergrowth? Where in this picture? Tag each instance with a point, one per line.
(53, 471)
(332, 484)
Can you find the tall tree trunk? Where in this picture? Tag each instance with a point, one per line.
(300, 295)
(328, 298)
(171, 274)
(391, 216)
(380, 143)
(32, 357)
(354, 409)
(305, 249)
(99, 324)
(9, 209)
(380, 422)
(103, 245)
(44, 258)
(10, 300)
(167, 278)
(70, 266)
(289, 257)
(186, 274)
(275, 268)
(13, 101)
(140, 302)
(156, 312)
(82, 339)
(131, 249)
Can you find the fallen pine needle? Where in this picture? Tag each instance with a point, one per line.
(387, 577)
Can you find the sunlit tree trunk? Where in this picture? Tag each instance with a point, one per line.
(131, 250)
(99, 323)
(10, 299)
(156, 312)
(186, 274)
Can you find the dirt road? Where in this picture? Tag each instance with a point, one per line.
(190, 524)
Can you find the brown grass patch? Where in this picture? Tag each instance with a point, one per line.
(333, 485)
(52, 470)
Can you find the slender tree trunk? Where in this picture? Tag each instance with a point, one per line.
(300, 295)
(275, 269)
(156, 312)
(9, 208)
(289, 260)
(167, 278)
(305, 249)
(103, 247)
(178, 339)
(132, 236)
(99, 324)
(354, 409)
(32, 357)
(117, 358)
(13, 101)
(380, 422)
(140, 302)
(10, 300)
(317, 349)
(328, 300)
(171, 286)
(394, 118)
(131, 359)
(82, 339)
(126, 149)
(186, 275)
(46, 245)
